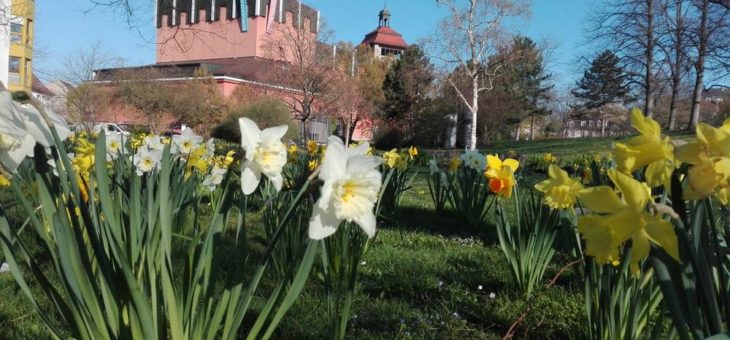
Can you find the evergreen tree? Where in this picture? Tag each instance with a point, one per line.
(530, 81)
(406, 84)
(603, 84)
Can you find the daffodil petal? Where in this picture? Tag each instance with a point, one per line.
(323, 223)
(717, 140)
(662, 233)
(635, 194)
(639, 251)
(277, 180)
(333, 166)
(12, 158)
(250, 136)
(645, 125)
(494, 162)
(36, 125)
(689, 153)
(250, 177)
(11, 120)
(545, 185)
(359, 149)
(658, 173)
(601, 200)
(367, 223)
(276, 132)
(512, 164)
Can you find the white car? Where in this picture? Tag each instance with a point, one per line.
(110, 127)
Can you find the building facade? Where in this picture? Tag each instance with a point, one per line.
(385, 41)
(16, 44)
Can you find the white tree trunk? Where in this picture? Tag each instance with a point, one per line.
(472, 138)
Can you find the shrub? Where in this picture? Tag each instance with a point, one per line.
(265, 112)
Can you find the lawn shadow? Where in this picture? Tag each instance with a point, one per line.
(445, 223)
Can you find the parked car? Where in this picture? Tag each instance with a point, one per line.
(110, 127)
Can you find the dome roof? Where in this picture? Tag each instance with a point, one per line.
(385, 36)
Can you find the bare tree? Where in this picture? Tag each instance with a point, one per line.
(79, 66)
(723, 3)
(305, 68)
(709, 36)
(474, 30)
(674, 46)
(629, 28)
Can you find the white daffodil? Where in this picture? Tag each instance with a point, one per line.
(115, 145)
(147, 160)
(433, 166)
(187, 141)
(265, 153)
(351, 186)
(153, 143)
(36, 125)
(215, 178)
(475, 160)
(20, 128)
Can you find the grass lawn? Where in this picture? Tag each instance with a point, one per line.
(567, 147)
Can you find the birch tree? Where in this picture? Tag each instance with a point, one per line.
(471, 32)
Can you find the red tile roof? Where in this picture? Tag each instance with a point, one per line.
(385, 36)
(39, 87)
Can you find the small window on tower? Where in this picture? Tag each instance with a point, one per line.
(16, 33)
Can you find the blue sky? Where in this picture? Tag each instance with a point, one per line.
(65, 26)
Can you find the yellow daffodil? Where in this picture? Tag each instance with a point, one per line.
(312, 165)
(587, 176)
(229, 158)
(413, 152)
(292, 149)
(560, 190)
(710, 159)
(454, 163)
(549, 158)
(4, 181)
(312, 147)
(501, 175)
(402, 162)
(711, 142)
(646, 150)
(623, 218)
(710, 176)
(391, 158)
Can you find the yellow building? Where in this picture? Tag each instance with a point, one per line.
(18, 15)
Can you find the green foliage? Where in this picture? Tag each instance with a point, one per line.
(605, 82)
(619, 305)
(527, 239)
(115, 253)
(438, 187)
(697, 290)
(386, 138)
(407, 83)
(470, 195)
(265, 112)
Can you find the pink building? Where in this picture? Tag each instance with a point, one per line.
(228, 39)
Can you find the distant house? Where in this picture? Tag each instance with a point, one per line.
(713, 98)
(60, 90)
(591, 123)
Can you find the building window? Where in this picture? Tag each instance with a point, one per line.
(29, 32)
(14, 65)
(583, 123)
(28, 73)
(16, 33)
